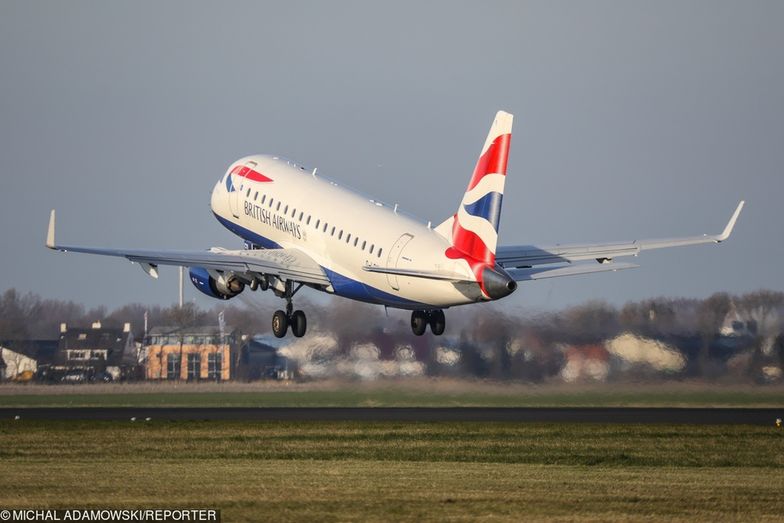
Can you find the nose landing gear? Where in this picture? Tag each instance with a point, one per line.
(421, 319)
(281, 321)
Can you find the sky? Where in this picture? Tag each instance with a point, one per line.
(632, 120)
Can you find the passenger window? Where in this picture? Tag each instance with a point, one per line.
(325, 226)
(247, 193)
(272, 200)
(278, 207)
(263, 197)
(348, 237)
(256, 196)
(285, 209)
(363, 244)
(332, 232)
(293, 212)
(371, 249)
(308, 222)
(317, 223)
(379, 252)
(356, 240)
(340, 234)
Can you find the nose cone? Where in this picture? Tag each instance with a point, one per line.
(498, 283)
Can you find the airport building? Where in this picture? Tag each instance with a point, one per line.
(190, 354)
(260, 359)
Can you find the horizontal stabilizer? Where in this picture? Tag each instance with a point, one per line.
(541, 273)
(531, 255)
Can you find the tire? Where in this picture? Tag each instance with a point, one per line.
(418, 322)
(299, 324)
(437, 322)
(280, 324)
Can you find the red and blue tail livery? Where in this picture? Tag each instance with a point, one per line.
(475, 226)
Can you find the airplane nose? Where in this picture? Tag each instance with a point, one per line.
(498, 283)
(215, 197)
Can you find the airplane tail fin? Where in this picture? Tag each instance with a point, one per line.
(474, 228)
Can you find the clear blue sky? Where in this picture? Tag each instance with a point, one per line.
(632, 120)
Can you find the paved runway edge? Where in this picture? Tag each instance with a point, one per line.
(693, 416)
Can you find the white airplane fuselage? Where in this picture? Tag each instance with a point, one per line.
(278, 204)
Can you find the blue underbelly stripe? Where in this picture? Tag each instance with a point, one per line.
(343, 285)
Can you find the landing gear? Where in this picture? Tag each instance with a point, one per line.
(280, 324)
(437, 322)
(281, 321)
(299, 324)
(418, 322)
(421, 319)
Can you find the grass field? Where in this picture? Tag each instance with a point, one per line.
(353, 471)
(408, 393)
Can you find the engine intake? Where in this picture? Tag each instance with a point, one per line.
(222, 290)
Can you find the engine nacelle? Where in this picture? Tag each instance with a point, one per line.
(222, 290)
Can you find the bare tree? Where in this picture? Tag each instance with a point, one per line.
(763, 311)
(710, 316)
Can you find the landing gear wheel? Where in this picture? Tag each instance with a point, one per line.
(418, 322)
(437, 322)
(264, 284)
(298, 324)
(280, 323)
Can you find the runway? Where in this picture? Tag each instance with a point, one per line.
(692, 416)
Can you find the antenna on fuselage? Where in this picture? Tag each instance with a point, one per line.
(314, 171)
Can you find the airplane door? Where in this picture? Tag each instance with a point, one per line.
(394, 256)
(238, 182)
(234, 196)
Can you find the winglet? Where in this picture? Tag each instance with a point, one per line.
(731, 224)
(50, 232)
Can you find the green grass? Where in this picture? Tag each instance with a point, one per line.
(354, 471)
(424, 393)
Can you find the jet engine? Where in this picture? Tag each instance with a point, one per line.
(222, 289)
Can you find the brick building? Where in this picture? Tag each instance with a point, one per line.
(191, 353)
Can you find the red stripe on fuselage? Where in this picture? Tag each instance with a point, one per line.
(250, 174)
(494, 160)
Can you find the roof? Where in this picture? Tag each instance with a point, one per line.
(199, 330)
(117, 344)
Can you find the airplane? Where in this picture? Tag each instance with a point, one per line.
(301, 229)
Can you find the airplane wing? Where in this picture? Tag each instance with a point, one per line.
(541, 273)
(519, 258)
(288, 264)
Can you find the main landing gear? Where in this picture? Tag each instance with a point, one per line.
(281, 321)
(421, 319)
